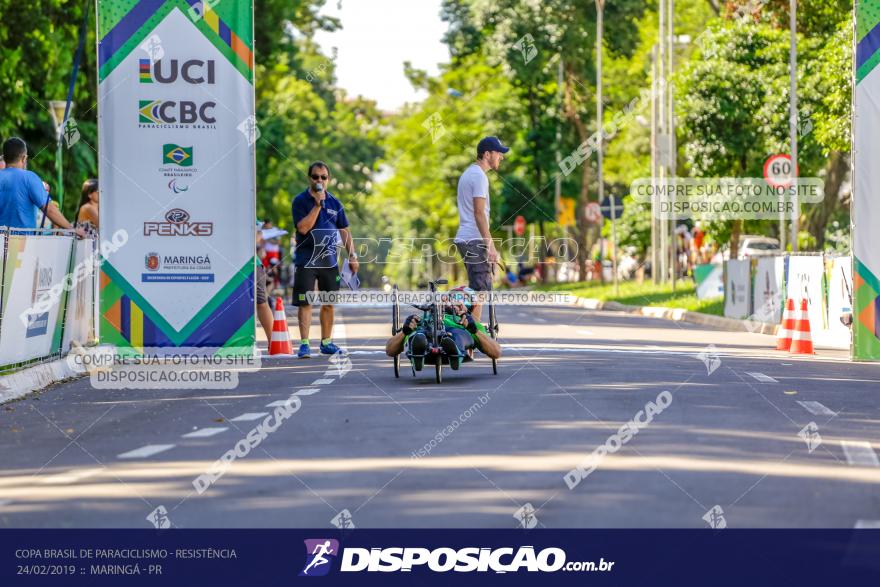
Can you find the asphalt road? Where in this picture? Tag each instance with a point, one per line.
(407, 452)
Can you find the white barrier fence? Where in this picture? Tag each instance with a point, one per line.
(48, 294)
(757, 289)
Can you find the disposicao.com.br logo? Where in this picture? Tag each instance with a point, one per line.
(321, 552)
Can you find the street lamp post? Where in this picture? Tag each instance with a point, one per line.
(600, 32)
(57, 109)
(655, 163)
(557, 190)
(793, 124)
(670, 119)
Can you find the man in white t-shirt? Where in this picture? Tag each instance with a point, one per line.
(473, 240)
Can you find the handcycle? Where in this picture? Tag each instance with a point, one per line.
(432, 321)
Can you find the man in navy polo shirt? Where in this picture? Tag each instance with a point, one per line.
(320, 223)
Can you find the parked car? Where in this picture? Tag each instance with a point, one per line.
(758, 246)
(750, 246)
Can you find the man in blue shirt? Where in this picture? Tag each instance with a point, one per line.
(22, 191)
(320, 223)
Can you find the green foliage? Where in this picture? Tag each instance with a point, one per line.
(633, 293)
(832, 83)
(430, 145)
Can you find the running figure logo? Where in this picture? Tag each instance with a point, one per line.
(320, 552)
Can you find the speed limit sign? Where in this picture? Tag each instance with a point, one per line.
(777, 171)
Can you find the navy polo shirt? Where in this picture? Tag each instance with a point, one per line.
(317, 247)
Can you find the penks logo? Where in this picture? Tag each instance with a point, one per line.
(320, 553)
(176, 155)
(177, 224)
(161, 71)
(174, 114)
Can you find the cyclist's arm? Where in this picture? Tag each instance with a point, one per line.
(488, 345)
(394, 346)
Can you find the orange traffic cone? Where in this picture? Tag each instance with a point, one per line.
(801, 339)
(786, 327)
(280, 343)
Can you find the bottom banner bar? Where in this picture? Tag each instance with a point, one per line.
(435, 557)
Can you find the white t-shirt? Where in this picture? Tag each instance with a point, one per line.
(473, 183)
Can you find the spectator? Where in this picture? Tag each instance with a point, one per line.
(473, 239)
(21, 191)
(264, 310)
(87, 213)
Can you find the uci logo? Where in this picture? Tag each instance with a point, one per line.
(192, 71)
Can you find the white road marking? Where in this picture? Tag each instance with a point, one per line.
(761, 377)
(536, 319)
(322, 381)
(145, 451)
(859, 453)
(204, 432)
(307, 391)
(250, 417)
(281, 403)
(868, 525)
(70, 476)
(816, 408)
(585, 332)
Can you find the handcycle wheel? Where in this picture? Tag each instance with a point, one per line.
(395, 326)
(493, 333)
(439, 370)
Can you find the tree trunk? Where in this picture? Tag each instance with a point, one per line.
(735, 230)
(819, 214)
(582, 228)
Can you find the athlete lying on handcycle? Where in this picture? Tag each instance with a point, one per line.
(461, 333)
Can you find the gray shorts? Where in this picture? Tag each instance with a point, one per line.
(475, 255)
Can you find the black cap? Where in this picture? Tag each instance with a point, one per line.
(491, 144)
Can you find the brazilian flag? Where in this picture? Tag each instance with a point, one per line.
(177, 155)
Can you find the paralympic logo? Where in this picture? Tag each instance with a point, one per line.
(176, 187)
(320, 553)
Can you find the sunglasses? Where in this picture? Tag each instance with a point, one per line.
(321, 177)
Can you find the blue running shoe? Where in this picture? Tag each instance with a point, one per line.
(330, 349)
(304, 351)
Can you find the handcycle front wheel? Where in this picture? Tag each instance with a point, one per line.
(493, 333)
(395, 326)
(439, 370)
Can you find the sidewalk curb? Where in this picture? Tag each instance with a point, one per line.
(679, 315)
(21, 383)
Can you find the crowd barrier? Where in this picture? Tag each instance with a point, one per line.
(48, 294)
(756, 289)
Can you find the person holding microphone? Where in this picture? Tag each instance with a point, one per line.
(320, 223)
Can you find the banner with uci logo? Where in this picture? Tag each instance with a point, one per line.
(865, 210)
(177, 173)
